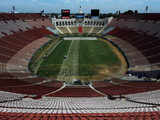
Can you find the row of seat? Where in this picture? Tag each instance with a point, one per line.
(7, 96)
(146, 44)
(125, 88)
(91, 116)
(151, 97)
(22, 58)
(39, 23)
(10, 26)
(22, 16)
(10, 45)
(68, 105)
(30, 86)
(76, 92)
(142, 16)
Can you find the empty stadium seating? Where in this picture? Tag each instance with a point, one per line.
(142, 16)
(11, 44)
(76, 92)
(24, 96)
(22, 16)
(141, 36)
(91, 116)
(125, 88)
(17, 35)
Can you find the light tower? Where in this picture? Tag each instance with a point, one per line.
(80, 10)
(13, 9)
(147, 7)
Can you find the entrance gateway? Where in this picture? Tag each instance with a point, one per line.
(80, 38)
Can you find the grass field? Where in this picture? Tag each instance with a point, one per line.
(85, 59)
(94, 56)
(51, 65)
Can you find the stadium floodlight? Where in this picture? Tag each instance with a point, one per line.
(147, 6)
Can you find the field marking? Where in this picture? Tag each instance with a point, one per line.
(70, 66)
(52, 48)
(75, 59)
(63, 70)
(80, 38)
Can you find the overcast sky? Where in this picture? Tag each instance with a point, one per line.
(105, 6)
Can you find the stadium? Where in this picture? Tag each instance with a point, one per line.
(79, 66)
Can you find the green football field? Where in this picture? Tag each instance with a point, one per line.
(80, 59)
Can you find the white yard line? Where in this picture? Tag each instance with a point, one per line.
(75, 59)
(80, 38)
(53, 48)
(64, 70)
(70, 66)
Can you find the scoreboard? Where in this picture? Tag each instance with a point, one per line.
(95, 13)
(65, 13)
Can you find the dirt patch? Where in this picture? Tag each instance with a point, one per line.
(123, 67)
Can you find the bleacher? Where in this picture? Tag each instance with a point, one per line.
(142, 36)
(29, 86)
(22, 16)
(142, 16)
(39, 23)
(20, 33)
(84, 106)
(11, 44)
(91, 116)
(126, 88)
(27, 97)
(74, 91)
